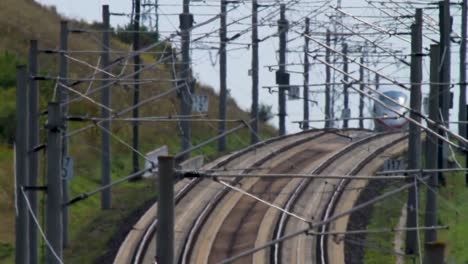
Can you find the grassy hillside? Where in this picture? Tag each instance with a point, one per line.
(92, 230)
(453, 212)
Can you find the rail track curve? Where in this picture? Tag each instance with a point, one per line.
(213, 222)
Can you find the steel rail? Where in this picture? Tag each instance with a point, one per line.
(334, 199)
(196, 227)
(305, 231)
(304, 183)
(150, 230)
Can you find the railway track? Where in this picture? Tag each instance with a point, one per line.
(133, 249)
(321, 196)
(340, 196)
(236, 219)
(299, 191)
(347, 199)
(213, 223)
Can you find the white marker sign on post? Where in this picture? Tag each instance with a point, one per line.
(346, 113)
(152, 157)
(200, 103)
(394, 165)
(293, 93)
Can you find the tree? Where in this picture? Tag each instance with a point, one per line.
(265, 113)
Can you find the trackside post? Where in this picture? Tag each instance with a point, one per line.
(165, 234)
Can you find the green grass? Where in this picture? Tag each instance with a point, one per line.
(92, 228)
(385, 214)
(453, 212)
(7, 221)
(6, 251)
(455, 196)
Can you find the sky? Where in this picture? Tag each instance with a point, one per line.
(205, 59)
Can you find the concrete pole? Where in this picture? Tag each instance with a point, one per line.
(21, 166)
(165, 234)
(463, 115)
(222, 77)
(186, 22)
(444, 72)
(306, 74)
(254, 112)
(62, 95)
(136, 92)
(33, 132)
(377, 83)
(462, 103)
(106, 196)
(431, 146)
(328, 111)
(62, 98)
(346, 109)
(282, 78)
(361, 97)
(54, 205)
(434, 253)
(414, 141)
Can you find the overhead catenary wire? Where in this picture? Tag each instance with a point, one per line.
(371, 231)
(390, 33)
(60, 84)
(422, 171)
(111, 82)
(38, 225)
(105, 187)
(138, 173)
(354, 60)
(126, 110)
(397, 18)
(175, 118)
(397, 113)
(262, 201)
(372, 42)
(135, 53)
(202, 174)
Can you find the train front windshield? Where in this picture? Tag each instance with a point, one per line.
(399, 97)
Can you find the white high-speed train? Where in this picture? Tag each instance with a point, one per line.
(386, 119)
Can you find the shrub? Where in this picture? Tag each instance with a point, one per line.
(8, 62)
(7, 115)
(265, 113)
